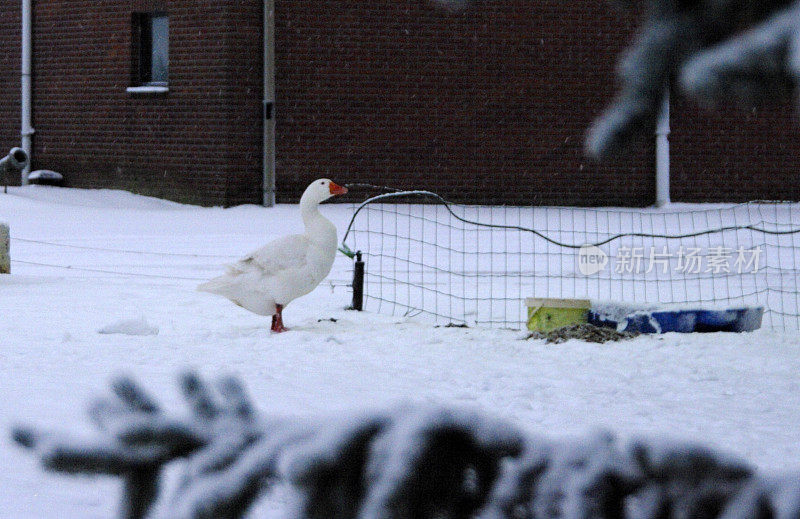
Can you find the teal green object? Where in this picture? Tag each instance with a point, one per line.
(344, 249)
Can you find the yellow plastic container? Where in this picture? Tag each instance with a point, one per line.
(546, 315)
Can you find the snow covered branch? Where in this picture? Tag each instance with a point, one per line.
(716, 51)
(403, 463)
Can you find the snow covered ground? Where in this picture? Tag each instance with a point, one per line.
(736, 392)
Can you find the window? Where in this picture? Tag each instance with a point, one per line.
(150, 71)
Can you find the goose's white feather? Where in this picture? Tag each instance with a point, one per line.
(286, 268)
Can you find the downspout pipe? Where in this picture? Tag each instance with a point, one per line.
(26, 129)
(662, 154)
(268, 181)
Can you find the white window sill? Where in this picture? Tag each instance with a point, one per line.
(147, 89)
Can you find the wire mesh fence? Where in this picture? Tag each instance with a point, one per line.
(478, 264)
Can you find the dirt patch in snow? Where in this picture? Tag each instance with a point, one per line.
(585, 332)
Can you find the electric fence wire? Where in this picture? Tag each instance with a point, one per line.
(448, 206)
(333, 283)
(89, 269)
(54, 244)
(125, 251)
(105, 271)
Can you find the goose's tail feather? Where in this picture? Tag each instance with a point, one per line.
(245, 290)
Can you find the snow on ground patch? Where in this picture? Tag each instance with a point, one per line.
(735, 392)
(138, 326)
(97, 198)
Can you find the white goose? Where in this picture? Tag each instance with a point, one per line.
(267, 279)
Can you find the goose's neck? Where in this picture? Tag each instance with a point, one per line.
(309, 209)
(317, 226)
(310, 213)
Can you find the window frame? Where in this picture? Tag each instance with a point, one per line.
(142, 51)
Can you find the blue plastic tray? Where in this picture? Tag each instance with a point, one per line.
(743, 319)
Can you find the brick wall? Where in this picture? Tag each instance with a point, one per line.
(491, 105)
(485, 105)
(9, 77)
(735, 154)
(198, 143)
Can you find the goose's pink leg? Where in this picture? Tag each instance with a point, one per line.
(277, 320)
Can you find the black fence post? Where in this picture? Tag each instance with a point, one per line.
(358, 283)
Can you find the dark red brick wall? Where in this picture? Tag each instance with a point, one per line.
(9, 77)
(491, 105)
(735, 154)
(199, 143)
(485, 105)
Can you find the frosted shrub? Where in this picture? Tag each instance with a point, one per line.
(715, 51)
(402, 463)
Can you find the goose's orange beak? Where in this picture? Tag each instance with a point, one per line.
(336, 189)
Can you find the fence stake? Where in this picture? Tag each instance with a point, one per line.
(5, 253)
(358, 283)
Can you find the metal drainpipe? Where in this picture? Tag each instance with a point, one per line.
(662, 154)
(26, 130)
(268, 181)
